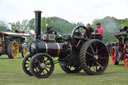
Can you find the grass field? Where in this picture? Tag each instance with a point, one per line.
(11, 73)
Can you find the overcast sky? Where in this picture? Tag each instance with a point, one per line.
(71, 10)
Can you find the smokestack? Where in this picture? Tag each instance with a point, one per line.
(38, 24)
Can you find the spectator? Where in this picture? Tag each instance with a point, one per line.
(99, 29)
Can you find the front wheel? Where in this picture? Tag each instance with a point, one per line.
(94, 57)
(41, 65)
(25, 65)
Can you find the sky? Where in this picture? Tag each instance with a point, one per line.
(72, 10)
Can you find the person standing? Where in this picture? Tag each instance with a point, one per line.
(99, 29)
(90, 29)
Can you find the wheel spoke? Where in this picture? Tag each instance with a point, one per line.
(48, 63)
(96, 48)
(48, 67)
(46, 70)
(78, 43)
(94, 68)
(92, 49)
(45, 60)
(89, 54)
(28, 60)
(36, 69)
(43, 72)
(99, 65)
(38, 61)
(26, 66)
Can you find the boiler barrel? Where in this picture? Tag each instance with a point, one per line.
(53, 49)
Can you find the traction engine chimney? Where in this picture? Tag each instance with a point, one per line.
(38, 24)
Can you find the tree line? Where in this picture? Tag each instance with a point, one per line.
(110, 25)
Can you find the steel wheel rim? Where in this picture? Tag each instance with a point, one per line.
(113, 55)
(96, 59)
(15, 49)
(42, 66)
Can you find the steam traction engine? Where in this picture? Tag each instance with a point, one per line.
(75, 52)
(13, 43)
(120, 50)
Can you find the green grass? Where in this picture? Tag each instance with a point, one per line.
(11, 73)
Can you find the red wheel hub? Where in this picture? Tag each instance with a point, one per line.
(126, 60)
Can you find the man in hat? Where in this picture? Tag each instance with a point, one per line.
(99, 29)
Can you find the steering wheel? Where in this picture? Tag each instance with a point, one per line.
(79, 33)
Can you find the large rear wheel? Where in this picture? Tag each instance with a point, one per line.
(41, 65)
(13, 49)
(94, 57)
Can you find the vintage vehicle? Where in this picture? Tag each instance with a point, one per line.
(75, 52)
(110, 46)
(13, 43)
(120, 49)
